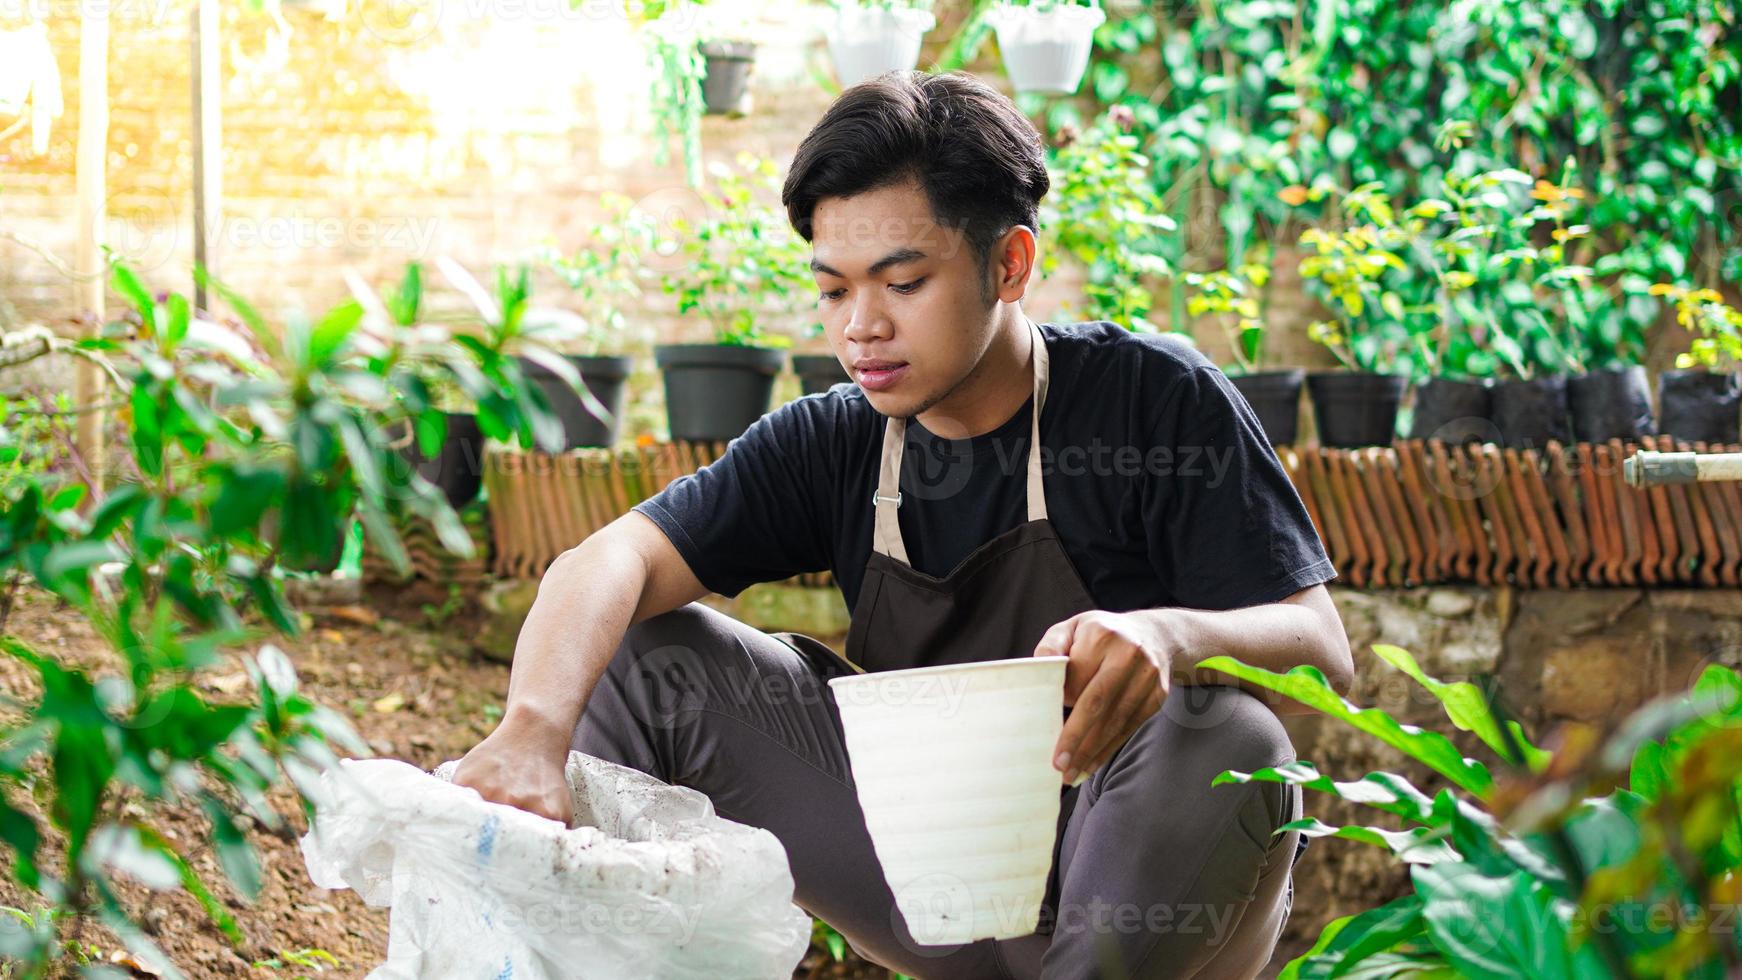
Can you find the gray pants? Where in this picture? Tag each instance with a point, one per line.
(1155, 873)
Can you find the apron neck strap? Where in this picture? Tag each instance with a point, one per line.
(886, 534)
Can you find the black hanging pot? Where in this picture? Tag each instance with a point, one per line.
(1531, 411)
(818, 372)
(1611, 403)
(603, 377)
(458, 467)
(1356, 408)
(1275, 399)
(714, 391)
(1452, 410)
(1700, 406)
(726, 86)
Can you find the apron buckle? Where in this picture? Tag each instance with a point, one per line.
(877, 498)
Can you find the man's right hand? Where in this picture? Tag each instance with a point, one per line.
(520, 764)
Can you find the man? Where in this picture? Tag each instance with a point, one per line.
(990, 488)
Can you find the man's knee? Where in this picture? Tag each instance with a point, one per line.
(1235, 728)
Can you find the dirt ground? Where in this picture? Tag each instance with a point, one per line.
(406, 675)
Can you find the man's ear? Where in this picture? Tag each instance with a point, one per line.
(1013, 257)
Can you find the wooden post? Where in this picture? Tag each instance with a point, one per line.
(208, 139)
(89, 286)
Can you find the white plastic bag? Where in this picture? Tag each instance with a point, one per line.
(650, 883)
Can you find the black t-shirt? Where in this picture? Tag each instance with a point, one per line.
(1158, 478)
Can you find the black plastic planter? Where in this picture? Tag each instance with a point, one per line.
(818, 372)
(1612, 403)
(458, 468)
(604, 377)
(1700, 406)
(1275, 399)
(727, 81)
(1356, 408)
(1530, 412)
(714, 391)
(1452, 410)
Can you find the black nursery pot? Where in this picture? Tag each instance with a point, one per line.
(818, 372)
(1356, 408)
(714, 391)
(1275, 399)
(1530, 412)
(604, 377)
(728, 75)
(1612, 403)
(458, 468)
(1453, 410)
(1700, 406)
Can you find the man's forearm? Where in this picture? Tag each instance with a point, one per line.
(1277, 636)
(586, 602)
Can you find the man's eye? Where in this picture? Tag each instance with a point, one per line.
(831, 294)
(906, 288)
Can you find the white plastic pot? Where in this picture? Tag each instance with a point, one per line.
(953, 767)
(867, 41)
(1046, 48)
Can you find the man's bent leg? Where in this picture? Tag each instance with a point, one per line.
(699, 699)
(1164, 875)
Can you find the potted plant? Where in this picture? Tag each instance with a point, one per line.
(1230, 298)
(744, 266)
(1347, 268)
(1105, 213)
(869, 37)
(675, 99)
(818, 372)
(605, 275)
(1699, 401)
(1046, 43)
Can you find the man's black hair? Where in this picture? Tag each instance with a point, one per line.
(979, 160)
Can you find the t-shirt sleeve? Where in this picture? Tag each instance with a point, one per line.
(1226, 528)
(755, 514)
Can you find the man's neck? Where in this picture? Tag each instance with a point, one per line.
(994, 391)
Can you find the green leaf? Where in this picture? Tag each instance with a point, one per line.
(1495, 928)
(332, 331)
(1348, 941)
(1467, 708)
(128, 285)
(1307, 685)
(1418, 845)
(1384, 791)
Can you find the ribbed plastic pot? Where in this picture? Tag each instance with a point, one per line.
(953, 768)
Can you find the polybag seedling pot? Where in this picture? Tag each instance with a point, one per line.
(953, 769)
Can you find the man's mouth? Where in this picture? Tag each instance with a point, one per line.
(875, 375)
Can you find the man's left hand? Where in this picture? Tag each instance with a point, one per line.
(1118, 675)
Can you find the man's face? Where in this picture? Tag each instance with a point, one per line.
(907, 306)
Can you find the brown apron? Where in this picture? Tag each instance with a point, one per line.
(996, 604)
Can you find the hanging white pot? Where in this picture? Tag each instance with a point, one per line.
(867, 41)
(1046, 45)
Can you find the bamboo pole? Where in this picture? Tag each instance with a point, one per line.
(90, 281)
(208, 140)
(1648, 469)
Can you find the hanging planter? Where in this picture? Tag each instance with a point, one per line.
(1046, 44)
(603, 377)
(868, 41)
(818, 372)
(714, 391)
(1701, 406)
(1356, 408)
(1275, 399)
(1453, 411)
(726, 83)
(1528, 412)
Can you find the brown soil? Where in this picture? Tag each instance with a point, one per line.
(413, 688)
